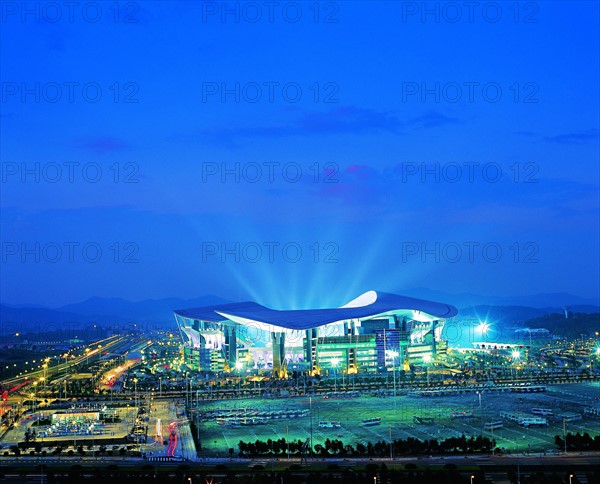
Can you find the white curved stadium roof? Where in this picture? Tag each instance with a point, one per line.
(366, 306)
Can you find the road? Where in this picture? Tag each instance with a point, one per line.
(571, 459)
(107, 344)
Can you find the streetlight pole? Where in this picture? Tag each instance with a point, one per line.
(480, 412)
(516, 355)
(191, 391)
(335, 379)
(334, 364)
(187, 397)
(565, 433)
(311, 423)
(238, 366)
(394, 355)
(427, 360)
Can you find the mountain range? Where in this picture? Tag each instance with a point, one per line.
(116, 311)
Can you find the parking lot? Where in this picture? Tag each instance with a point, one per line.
(398, 418)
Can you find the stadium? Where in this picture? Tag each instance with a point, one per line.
(372, 333)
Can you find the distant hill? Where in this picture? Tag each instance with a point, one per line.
(149, 310)
(541, 301)
(500, 314)
(118, 311)
(16, 314)
(576, 324)
(100, 311)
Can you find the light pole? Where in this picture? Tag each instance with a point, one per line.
(515, 356)
(570, 478)
(238, 366)
(191, 392)
(472, 478)
(45, 367)
(33, 399)
(565, 433)
(187, 397)
(427, 360)
(66, 356)
(483, 328)
(43, 380)
(311, 423)
(480, 412)
(334, 364)
(394, 355)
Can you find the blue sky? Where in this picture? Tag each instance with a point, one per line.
(392, 149)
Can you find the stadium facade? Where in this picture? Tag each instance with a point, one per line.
(371, 333)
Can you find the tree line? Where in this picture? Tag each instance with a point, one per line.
(337, 448)
(578, 441)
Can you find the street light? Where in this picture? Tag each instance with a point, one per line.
(565, 433)
(516, 355)
(571, 478)
(394, 355)
(238, 366)
(334, 364)
(427, 360)
(480, 412)
(472, 477)
(311, 423)
(483, 328)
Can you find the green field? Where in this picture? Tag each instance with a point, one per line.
(397, 418)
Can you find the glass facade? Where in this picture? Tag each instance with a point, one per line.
(364, 346)
(352, 353)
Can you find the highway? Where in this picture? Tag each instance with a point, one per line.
(109, 343)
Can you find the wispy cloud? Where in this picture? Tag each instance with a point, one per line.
(432, 119)
(340, 120)
(576, 137)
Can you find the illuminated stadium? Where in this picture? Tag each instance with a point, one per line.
(368, 334)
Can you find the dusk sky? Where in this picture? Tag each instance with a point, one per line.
(298, 153)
